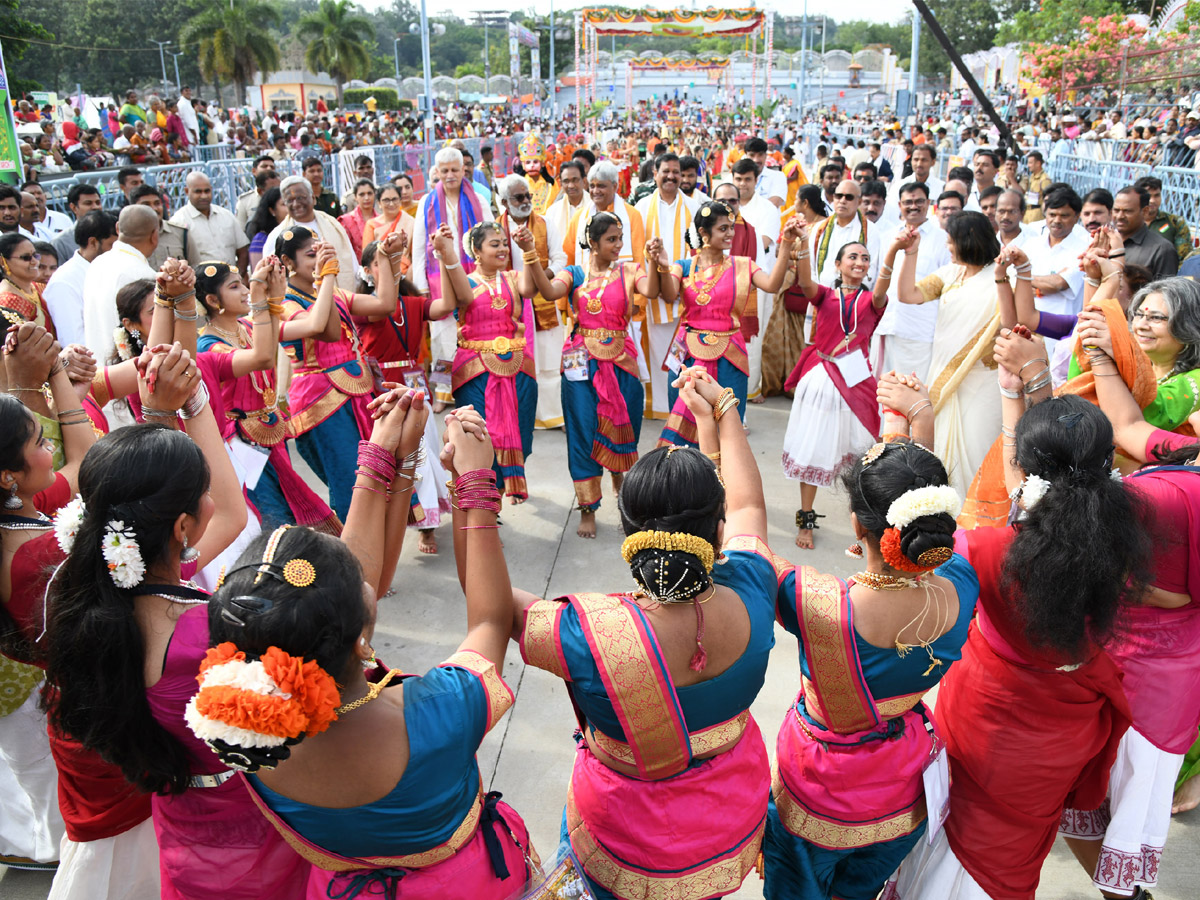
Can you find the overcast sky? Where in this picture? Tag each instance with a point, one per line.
(874, 10)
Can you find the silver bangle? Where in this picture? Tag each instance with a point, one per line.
(184, 317)
(149, 413)
(1011, 395)
(195, 403)
(457, 265)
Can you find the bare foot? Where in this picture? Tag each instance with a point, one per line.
(759, 399)
(427, 543)
(1187, 797)
(517, 501)
(618, 479)
(587, 524)
(438, 406)
(804, 539)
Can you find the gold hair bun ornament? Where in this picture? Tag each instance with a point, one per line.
(288, 235)
(934, 557)
(873, 454)
(210, 271)
(679, 541)
(706, 210)
(300, 572)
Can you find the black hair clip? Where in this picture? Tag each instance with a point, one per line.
(1070, 420)
(247, 605)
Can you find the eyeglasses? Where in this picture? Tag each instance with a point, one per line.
(1151, 317)
(29, 257)
(845, 196)
(520, 198)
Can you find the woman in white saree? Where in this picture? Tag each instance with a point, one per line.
(962, 378)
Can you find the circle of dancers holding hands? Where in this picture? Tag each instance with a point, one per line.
(190, 705)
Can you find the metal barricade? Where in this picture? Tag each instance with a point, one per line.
(1086, 174)
(1181, 194)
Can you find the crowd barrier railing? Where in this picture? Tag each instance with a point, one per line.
(231, 176)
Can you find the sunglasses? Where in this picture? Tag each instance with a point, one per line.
(845, 196)
(520, 198)
(29, 257)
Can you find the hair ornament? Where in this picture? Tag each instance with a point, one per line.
(873, 453)
(288, 235)
(67, 524)
(934, 557)
(295, 572)
(893, 555)
(924, 501)
(259, 703)
(1115, 475)
(210, 271)
(123, 555)
(679, 541)
(705, 211)
(694, 238)
(299, 572)
(1032, 490)
(1070, 420)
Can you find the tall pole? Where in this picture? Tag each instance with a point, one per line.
(396, 53)
(803, 58)
(175, 57)
(913, 66)
(822, 103)
(487, 61)
(162, 58)
(553, 77)
(428, 86)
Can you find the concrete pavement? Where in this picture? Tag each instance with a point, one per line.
(528, 756)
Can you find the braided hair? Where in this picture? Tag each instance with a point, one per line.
(672, 489)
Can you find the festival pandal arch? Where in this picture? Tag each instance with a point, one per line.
(592, 24)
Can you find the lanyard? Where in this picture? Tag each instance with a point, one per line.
(844, 312)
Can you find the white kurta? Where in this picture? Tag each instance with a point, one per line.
(766, 219)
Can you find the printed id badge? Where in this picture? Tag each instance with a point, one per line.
(853, 366)
(414, 379)
(936, 776)
(676, 357)
(575, 364)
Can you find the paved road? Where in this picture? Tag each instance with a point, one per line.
(529, 755)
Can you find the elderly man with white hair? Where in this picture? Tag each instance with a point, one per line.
(602, 190)
(452, 202)
(296, 193)
(516, 200)
(212, 230)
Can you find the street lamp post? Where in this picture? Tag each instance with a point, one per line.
(175, 56)
(553, 96)
(162, 58)
(428, 111)
(396, 52)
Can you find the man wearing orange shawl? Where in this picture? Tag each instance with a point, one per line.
(987, 503)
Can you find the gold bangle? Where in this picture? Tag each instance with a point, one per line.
(715, 457)
(727, 401)
(530, 256)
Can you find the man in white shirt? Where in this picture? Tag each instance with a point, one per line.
(95, 233)
(904, 338)
(187, 115)
(212, 230)
(986, 165)
(846, 225)
(923, 158)
(50, 222)
(667, 214)
(1010, 210)
(766, 220)
(247, 203)
(296, 193)
(452, 202)
(109, 272)
(771, 184)
(1054, 258)
(516, 201)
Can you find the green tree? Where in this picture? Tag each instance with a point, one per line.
(233, 41)
(337, 41)
(15, 27)
(1054, 21)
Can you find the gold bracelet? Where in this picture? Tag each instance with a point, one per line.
(715, 457)
(727, 401)
(530, 256)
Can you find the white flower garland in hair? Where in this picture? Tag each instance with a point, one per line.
(244, 675)
(468, 250)
(694, 236)
(67, 523)
(123, 555)
(1116, 475)
(924, 501)
(1033, 489)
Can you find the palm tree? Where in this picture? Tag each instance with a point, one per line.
(234, 40)
(336, 41)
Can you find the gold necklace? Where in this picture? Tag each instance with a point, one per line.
(595, 301)
(705, 286)
(235, 336)
(373, 691)
(877, 581)
(494, 291)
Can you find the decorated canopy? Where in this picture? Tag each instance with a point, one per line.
(673, 22)
(688, 65)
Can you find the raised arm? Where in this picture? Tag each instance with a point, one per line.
(383, 302)
(656, 279)
(170, 385)
(804, 277)
(1130, 430)
(317, 319)
(269, 280)
(534, 280)
(907, 409)
(1016, 307)
(906, 274)
(771, 283)
(455, 283)
(483, 572)
(745, 507)
(446, 248)
(1024, 374)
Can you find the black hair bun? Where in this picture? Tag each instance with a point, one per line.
(928, 541)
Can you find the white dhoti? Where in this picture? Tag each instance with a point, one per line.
(123, 867)
(1134, 820)
(547, 360)
(431, 490)
(30, 822)
(754, 346)
(443, 344)
(966, 425)
(660, 337)
(904, 356)
(933, 871)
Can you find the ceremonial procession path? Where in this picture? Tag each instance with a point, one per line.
(528, 756)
